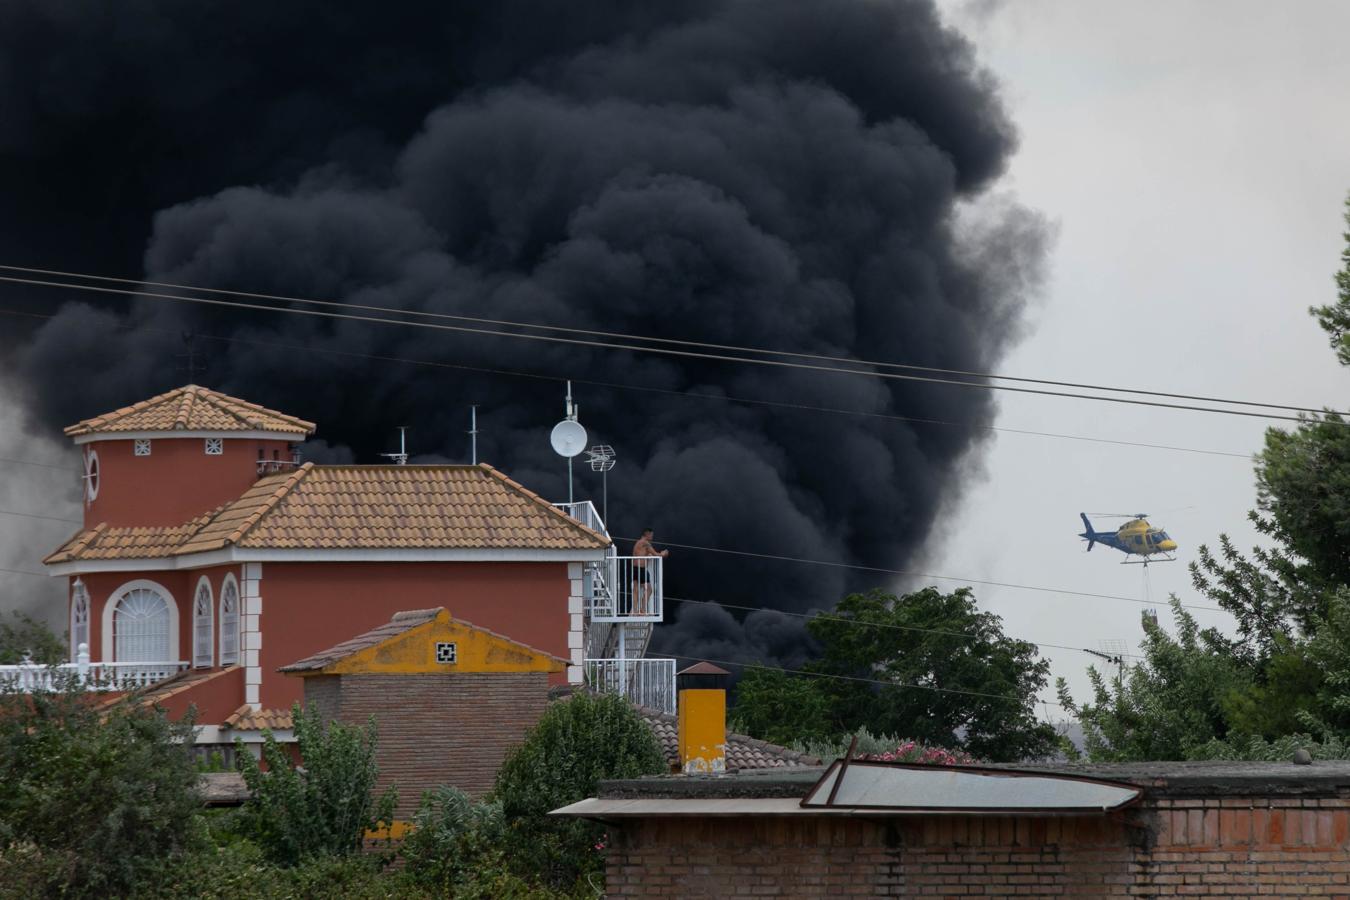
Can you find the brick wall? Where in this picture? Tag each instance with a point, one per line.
(437, 729)
(1217, 847)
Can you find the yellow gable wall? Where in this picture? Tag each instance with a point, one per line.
(414, 652)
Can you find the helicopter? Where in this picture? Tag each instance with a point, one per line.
(1135, 537)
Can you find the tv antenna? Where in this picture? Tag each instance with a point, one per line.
(473, 434)
(401, 457)
(602, 459)
(568, 438)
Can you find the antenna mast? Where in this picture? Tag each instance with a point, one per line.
(401, 457)
(473, 433)
(568, 439)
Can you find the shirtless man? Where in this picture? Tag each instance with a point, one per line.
(642, 576)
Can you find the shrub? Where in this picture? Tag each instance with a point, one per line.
(324, 808)
(92, 796)
(452, 839)
(577, 743)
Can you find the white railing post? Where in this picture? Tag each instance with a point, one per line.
(82, 663)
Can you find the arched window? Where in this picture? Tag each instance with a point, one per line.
(79, 618)
(203, 640)
(141, 627)
(229, 622)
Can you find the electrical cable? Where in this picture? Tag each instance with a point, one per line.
(829, 617)
(611, 335)
(26, 515)
(694, 395)
(665, 351)
(904, 573)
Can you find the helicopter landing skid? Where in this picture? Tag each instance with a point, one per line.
(1146, 560)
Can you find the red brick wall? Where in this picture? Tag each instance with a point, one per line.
(437, 729)
(1230, 847)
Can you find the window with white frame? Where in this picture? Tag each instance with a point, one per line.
(215, 446)
(141, 627)
(91, 479)
(229, 623)
(79, 619)
(203, 640)
(141, 447)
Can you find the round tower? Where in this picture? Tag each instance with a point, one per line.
(167, 460)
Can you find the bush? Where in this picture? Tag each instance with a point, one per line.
(577, 743)
(323, 809)
(31, 640)
(453, 838)
(93, 796)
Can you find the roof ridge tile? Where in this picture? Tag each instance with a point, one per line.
(270, 503)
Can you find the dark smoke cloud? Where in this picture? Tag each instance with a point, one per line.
(806, 175)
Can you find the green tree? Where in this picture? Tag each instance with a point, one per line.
(577, 743)
(1335, 319)
(324, 808)
(781, 707)
(92, 796)
(27, 638)
(929, 666)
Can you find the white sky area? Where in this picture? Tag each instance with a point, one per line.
(1195, 157)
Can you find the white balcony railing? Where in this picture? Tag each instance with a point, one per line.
(92, 676)
(584, 511)
(647, 682)
(626, 589)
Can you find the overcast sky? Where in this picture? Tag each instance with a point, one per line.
(1195, 162)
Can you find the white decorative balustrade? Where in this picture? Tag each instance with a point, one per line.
(647, 681)
(626, 589)
(92, 676)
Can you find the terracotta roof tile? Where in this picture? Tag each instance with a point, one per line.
(743, 752)
(248, 718)
(192, 408)
(357, 508)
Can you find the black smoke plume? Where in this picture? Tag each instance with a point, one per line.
(813, 175)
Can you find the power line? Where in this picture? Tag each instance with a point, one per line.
(26, 572)
(26, 515)
(902, 572)
(31, 462)
(695, 395)
(611, 335)
(830, 617)
(883, 683)
(665, 351)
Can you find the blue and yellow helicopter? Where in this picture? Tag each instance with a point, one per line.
(1135, 538)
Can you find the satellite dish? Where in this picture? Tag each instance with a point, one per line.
(568, 438)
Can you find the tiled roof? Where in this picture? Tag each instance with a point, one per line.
(192, 408)
(401, 622)
(743, 752)
(357, 508)
(163, 690)
(247, 718)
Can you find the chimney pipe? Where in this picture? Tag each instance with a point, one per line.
(703, 719)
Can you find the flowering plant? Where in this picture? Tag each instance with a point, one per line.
(914, 752)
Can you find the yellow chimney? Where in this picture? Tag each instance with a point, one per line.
(703, 720)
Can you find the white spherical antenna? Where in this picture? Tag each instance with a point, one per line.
(568, 438)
